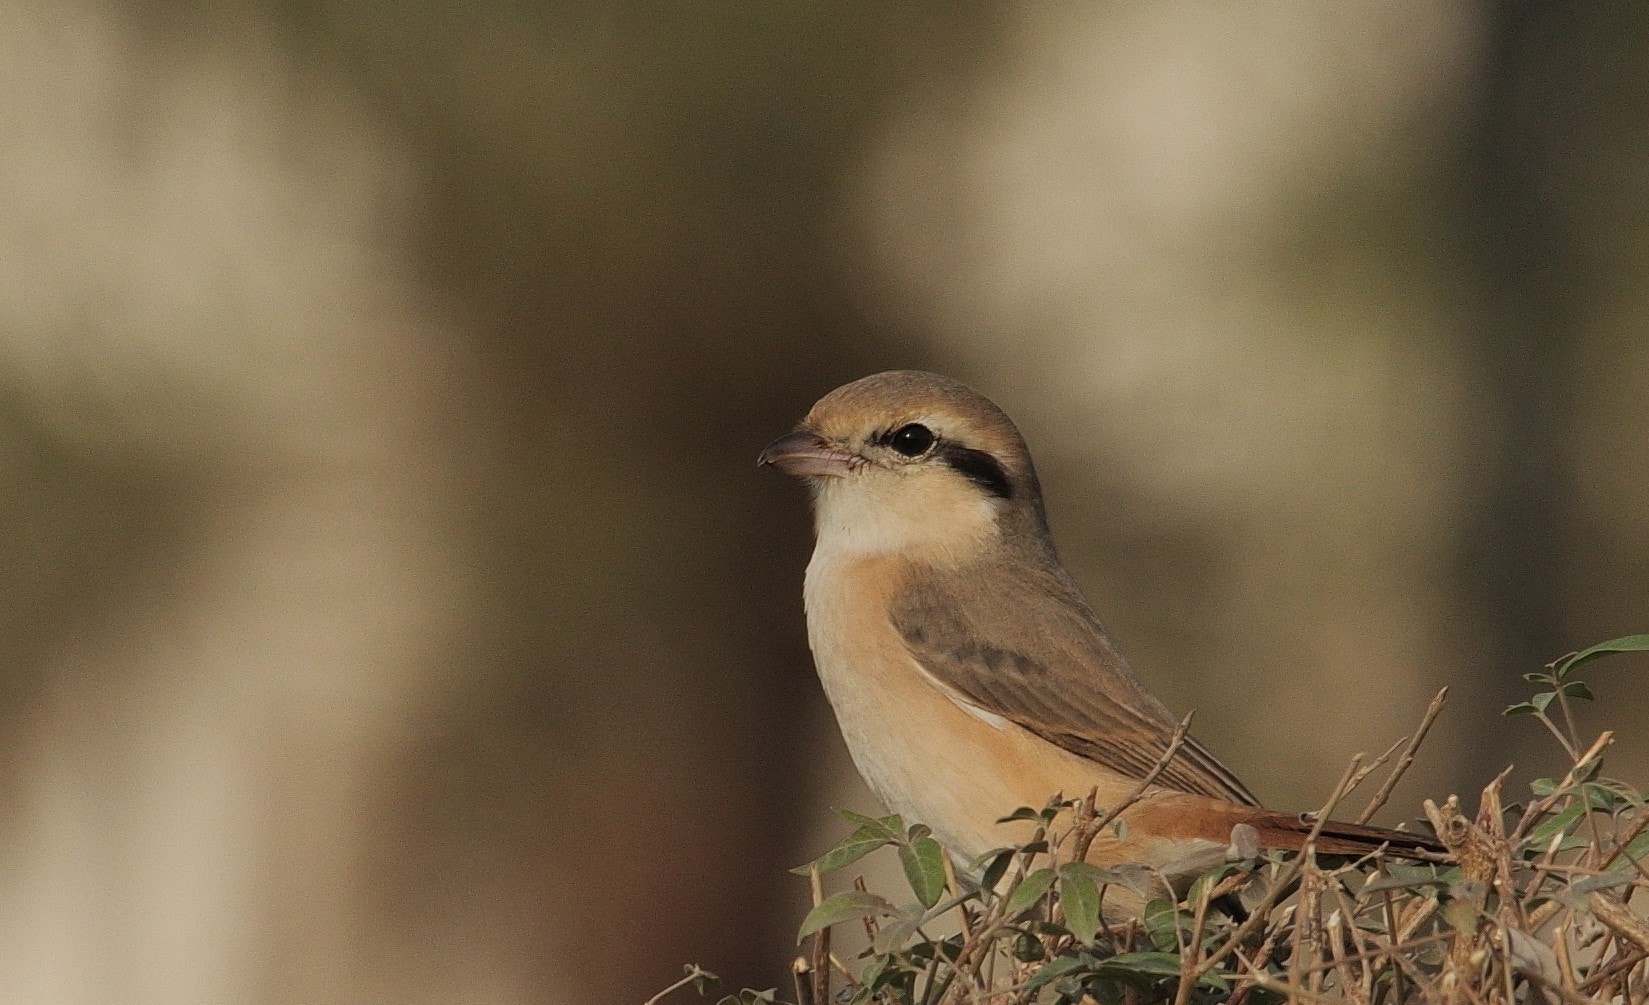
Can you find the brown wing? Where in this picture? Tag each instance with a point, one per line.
(1016, 639)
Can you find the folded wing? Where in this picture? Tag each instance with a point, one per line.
(993, 638)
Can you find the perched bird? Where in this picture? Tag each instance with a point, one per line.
(966, 672)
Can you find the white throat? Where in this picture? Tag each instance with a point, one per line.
(876, 513)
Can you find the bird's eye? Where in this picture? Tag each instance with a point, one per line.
(912, 440)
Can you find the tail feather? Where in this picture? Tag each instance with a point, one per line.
(1183, 815)
(1289, 832)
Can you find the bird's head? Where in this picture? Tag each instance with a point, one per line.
(907, 461)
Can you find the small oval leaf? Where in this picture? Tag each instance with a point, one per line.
(1093, 872)
(1028, 892)
(1162, 918)
(841, 907)
(891, 826)
(1079, 896)
(1543, 833)
(1628, 644)
(1142, 964)
(1022, 813)
(1054, 970)
(892, 936)
(857, 845)
(992, 874)
(924, 864)
(1578, 689)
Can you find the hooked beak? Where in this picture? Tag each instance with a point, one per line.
(804, 454)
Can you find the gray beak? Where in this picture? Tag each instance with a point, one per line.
(803, 454)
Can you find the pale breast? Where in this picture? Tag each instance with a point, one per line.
(927, 754)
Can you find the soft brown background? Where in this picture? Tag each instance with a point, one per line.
(392, 611)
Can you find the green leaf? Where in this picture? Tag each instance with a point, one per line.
(891, 826)
(1079, 896)
(1100, 876)
(1578, 689)
(1152, 967)
(1210, 878)
(992, 874)
(1053, 970)
(1628, 644)
(892, 935)
(1543, 699)
(1402, 877)
(948, 904)
(1028, 892)
(924, 864)
(1521, 708)
(1586, 884)
(1027, 948)
(1023, 813)
(1600, 796)
(1618, 793)
(1162, 923)
(874, 968)
(1634, 851)
(857, 845)
(842, 907)
(887, 978)
(1542, 834)
(1144, 964)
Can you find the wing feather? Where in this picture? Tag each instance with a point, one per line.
(1027, 648)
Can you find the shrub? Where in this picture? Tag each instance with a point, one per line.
(1534, 899)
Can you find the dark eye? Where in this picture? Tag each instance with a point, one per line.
(912, 440)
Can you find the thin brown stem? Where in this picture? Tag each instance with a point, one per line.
(821, 944)
(1540, 807)
(1615, 968)
(1287, 874)
(1188, 968)
(1551, 727)
(1085, 836)
(1406, 759)
(693, 973)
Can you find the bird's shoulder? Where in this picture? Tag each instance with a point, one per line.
(1026, 618)
(1012, 635)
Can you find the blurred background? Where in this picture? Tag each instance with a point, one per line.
(392, 610)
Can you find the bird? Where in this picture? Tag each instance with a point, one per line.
(966, 671)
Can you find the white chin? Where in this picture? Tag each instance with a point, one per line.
(870, 515)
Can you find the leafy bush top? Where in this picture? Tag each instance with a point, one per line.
(1534, 899)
